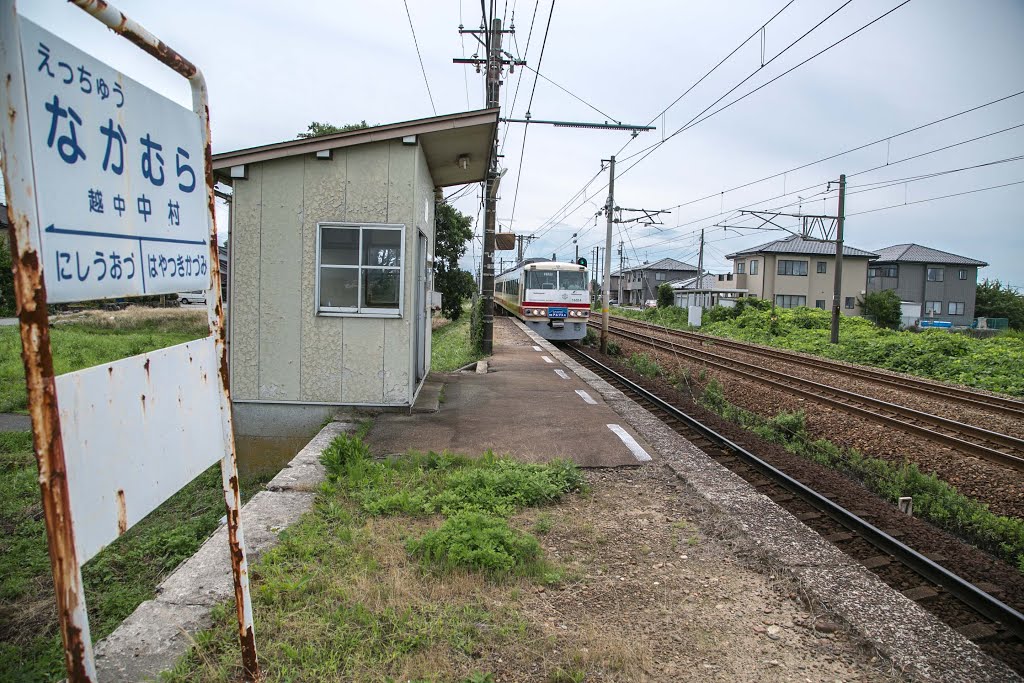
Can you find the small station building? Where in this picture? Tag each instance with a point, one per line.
(331, 253)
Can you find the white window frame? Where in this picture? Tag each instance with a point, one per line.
(359, 311)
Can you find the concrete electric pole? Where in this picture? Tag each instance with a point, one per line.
(838, 286)
(607, 286)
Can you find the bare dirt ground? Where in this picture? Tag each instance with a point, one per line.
(665, 591)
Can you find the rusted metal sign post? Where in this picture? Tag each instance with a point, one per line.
(110, 194)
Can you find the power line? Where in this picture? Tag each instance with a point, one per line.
(646, 152)
(529, 108)
(573, 95)
(933, 199)
(696, 121)
(420, 56)
(712, 70)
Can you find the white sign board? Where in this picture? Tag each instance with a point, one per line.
(136, 431)
(120, 191)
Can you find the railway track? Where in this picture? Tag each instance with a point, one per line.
(1001, 449)
(974, 399)
(995, 626)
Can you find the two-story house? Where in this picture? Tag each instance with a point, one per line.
(942, 284)
(795, 271)
(640, 283)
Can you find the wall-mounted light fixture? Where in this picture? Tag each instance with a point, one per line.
(463, 161)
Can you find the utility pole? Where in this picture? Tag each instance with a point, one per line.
(700, 268)
(607, 286)
(622, 264)
(837, 287)
(493, 87)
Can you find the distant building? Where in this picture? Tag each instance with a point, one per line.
(938, 284)
(640, 283)
(800, 272)
(711, 290)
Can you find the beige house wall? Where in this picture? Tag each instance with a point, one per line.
(281, 350)
(767, 283)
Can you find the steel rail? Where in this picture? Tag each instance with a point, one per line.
(848, 401)
(963, 590)
(973, 398)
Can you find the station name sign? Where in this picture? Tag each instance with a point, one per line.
(120, 192)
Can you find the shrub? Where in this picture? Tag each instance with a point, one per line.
(476, 540)
(644, 365)
(882, 307)
(665, 295)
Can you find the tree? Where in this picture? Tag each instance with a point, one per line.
(452, 229)
(316, 129)
(665, 296)
(996, 300)
(884, 307)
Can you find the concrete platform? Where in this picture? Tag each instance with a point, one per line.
(527, 405)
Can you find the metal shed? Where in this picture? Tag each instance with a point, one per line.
(331, 251)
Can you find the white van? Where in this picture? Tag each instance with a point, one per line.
(197, 297)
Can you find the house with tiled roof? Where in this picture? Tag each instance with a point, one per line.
(795, 271)
(640, 283)
(942, 284)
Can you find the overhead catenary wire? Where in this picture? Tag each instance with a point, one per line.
(419, 55)
(646, 152)
(529, 108)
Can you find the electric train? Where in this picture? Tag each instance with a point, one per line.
(551, 297)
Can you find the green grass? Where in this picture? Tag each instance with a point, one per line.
(993, 363)
(451, 347)
(116, 580)
(934, 499)
(82, 346)
(385, 578)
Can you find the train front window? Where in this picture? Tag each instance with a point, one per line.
(572, 280)
(541, 279)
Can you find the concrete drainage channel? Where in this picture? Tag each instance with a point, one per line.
(160, 630)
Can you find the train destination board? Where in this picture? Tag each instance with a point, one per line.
(118, 169)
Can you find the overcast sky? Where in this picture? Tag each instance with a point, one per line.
(274, 67)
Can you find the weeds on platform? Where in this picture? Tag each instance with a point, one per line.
(387, 578)
(934, 499)
(451, 346)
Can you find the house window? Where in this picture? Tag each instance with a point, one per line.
(935, 275)
(819, 303)
(791, 300)
(956, 308)
(659, 276)
(850, 302)
(822, 266)
(962, 273)
(787, 267)
(882, 271)
(934, 307)
(753, 267)
(359, 269)
(741, 267)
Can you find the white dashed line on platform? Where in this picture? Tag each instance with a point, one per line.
(586, 397)
(561, 373)
(636, 449)
(536, 348)
(547, 359)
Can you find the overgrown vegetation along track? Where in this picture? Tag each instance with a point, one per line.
(996, 626)
(992, 446)
(967, 397)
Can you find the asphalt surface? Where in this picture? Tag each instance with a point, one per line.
(525, 406)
